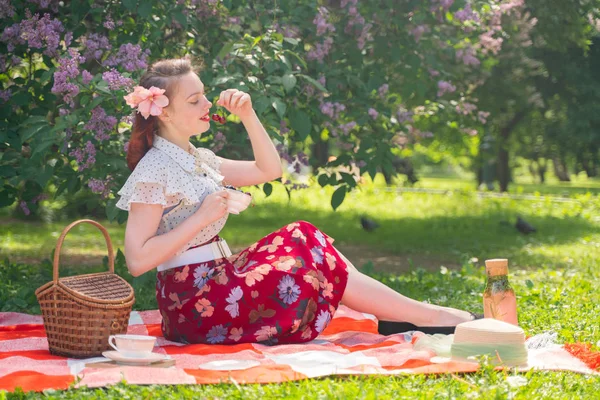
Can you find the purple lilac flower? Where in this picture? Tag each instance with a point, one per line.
(365, 36)
(466, 14)
(283, 129)
(373, 113)
(283, 153)
(346, 128)
(489, 43)
(2, 63)
(100, 186)
(130, 56)
(68, 69)
(383, 89)
(24, 207)
(5, 95)
(320, 21)
(95, 46)
(418, 31)
(51, 4)
(465, 108)
(15, 60)
(482, 116)
(88, 153)
(41, 33)
(289, 31)
(445, 87)
(444, 4)
(115, 80)
(6, 9)
(219, 142)
(468, 56)
(322, 80)
(86, 77)
(63, 111)
(332, 110)
(404, 115)
(433, 72)
(100, 123)
(12, 37)
(320, 51)
(109, 24)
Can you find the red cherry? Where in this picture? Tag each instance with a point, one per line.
(221, 119)
(216, 117)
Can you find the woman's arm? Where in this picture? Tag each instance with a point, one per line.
(267, 164)
(144, 250)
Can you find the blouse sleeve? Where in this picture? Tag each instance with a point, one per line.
(158, 181)
(144, 192)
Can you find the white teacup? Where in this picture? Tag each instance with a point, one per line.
(134, 346)
(237, 201)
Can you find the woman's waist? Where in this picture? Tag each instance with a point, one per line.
(213, 249)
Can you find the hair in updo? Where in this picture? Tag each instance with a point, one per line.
(162, 74)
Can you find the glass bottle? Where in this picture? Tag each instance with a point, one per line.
(499, 300)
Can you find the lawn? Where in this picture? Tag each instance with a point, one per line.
(428, 246)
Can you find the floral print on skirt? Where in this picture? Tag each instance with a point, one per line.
(283, 289)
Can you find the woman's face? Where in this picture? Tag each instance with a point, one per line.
(188, 108)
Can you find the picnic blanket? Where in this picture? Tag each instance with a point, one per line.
(349, 346)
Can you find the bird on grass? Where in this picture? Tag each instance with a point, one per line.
(368, 224)
(524, 226)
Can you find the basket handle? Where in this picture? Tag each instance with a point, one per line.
(111, 256)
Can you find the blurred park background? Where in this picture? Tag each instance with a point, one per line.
(416, 133)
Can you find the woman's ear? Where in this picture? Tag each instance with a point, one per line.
(164, 116)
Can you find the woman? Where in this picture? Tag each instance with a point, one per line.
(283, 289)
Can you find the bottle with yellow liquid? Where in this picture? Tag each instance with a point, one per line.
(499, 300)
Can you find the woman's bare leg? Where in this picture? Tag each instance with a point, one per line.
(368, 295)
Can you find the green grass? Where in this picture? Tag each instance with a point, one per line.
(429, 246)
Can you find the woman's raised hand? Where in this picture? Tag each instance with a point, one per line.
(214, 207)
(236, 102)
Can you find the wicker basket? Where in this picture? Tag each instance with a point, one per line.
(81, 312)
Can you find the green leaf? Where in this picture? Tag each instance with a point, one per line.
(111, 209)
(314, 82)
(43, 177)
(338, 197)
(300, 122)
(181, 18)
(32, 126)
(529, 284)
(289, 82)
(280, 107)
(145, 9)
(130, 4)
(261, 104)
(267, 189)
(323, 179)
(21, 98)
(291, 41)
(348, 179)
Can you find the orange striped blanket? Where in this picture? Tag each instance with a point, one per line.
(349, 345)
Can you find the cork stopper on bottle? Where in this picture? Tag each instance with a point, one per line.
(496, 266)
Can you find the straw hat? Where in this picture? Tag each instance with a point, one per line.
(503, 342)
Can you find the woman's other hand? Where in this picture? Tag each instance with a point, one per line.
(214, 207)
(236, 102)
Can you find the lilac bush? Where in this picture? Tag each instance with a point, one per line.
(362, 77)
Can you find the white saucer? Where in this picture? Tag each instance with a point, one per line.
(121, 359)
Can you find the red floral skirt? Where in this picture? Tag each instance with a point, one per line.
(283, 289)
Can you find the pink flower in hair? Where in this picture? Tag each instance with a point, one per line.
(147, 101)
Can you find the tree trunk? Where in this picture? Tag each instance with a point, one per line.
(321, 153)
(542, 168)
(503, 154)
(560, 170)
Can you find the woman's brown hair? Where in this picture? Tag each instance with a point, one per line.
(160, 74)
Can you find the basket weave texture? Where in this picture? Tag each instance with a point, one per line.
(81, 312)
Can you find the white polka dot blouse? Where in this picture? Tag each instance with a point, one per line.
(177, 180)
